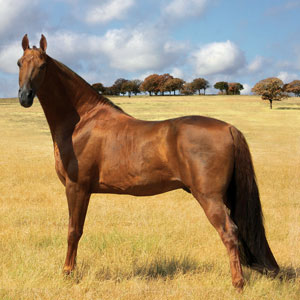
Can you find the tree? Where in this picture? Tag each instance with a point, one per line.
(98, 87)
(293, 87)
(174, 84)
(108, 91)
(187, 89)
(270, 89)
(131, 86)
(151, 84)
(199, 84)
(126, 88)
(136, 83)
(117, 86)
(222, 86)
(162, 81)
(234, 88)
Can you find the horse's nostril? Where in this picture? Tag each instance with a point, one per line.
(30, 93)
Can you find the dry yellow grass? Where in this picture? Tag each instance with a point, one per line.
(159, 247)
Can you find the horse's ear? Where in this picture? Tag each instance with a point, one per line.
(25, 42)
(43, 43)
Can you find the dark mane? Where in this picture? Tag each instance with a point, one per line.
(103, 100)
(108, 102)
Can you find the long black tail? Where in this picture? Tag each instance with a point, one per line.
(246, 212)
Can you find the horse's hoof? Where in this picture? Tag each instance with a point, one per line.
(239, 285)
(67, 271)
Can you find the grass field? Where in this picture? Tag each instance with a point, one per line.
(160, 247)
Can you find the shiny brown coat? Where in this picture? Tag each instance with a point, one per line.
(99, 148)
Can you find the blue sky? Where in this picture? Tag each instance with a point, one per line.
(234, 40)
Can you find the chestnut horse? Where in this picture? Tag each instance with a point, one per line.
(99, 148)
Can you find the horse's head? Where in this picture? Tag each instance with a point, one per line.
(32, 70)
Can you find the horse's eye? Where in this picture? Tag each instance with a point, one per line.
(19, 63)
(43, 66)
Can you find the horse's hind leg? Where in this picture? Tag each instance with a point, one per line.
(78, 200)
(217, 214)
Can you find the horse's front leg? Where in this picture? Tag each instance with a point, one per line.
(78, 201)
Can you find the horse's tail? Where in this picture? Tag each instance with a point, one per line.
(246, 212)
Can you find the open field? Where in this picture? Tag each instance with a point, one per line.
(160, 247)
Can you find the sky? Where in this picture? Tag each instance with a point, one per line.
(103, 40)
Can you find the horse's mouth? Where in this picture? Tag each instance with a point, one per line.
(26, 97)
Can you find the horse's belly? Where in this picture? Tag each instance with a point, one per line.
(138, 188)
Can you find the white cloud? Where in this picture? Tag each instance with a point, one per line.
(68, 46)
(177, 73)
(110, 56)
(90, 76)
(287, 77)
(139, 50)
(257, 64)
(108, 11)
(185, 8)
(122, 49)
(218, 58)
(144, 75)
(246, 90)
(10, 9)
(15, 13)
(9, 56)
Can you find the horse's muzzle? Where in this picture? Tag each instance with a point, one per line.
(26, 96)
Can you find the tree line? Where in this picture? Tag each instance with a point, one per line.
(271, 89)
(156, 84)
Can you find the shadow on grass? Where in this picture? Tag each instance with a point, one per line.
(285, 274)
(287, 108)
(289, 273)
(162, 267)
(169, 267)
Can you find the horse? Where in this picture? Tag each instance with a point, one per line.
(99, 148)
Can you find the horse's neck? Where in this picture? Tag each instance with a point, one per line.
(65, 98)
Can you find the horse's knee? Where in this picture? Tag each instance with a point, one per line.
(74, 236)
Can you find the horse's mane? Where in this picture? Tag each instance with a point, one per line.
(108, 102)
(103, 100)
